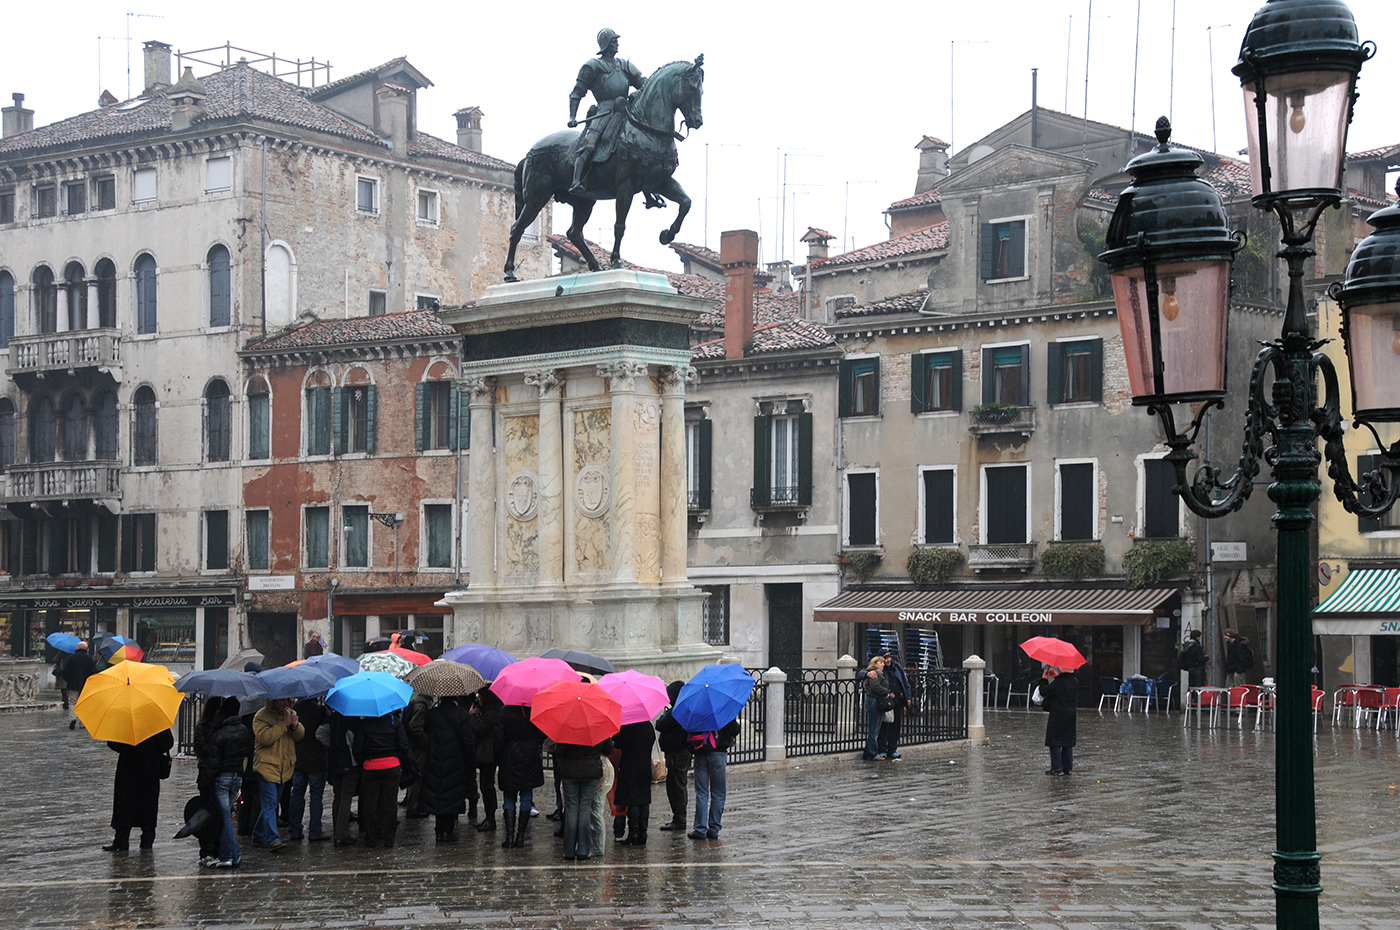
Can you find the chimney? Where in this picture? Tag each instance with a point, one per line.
(391, 114)
(933, 163)
(157, 66)
(780, 273)
(738, 256)
(16, 118)
(469, 128)
(817, 244)
(186, 101)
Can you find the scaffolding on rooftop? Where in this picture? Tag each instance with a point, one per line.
(291, 69)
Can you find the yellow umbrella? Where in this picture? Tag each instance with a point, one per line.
(129, 702)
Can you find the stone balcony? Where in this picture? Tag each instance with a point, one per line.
(1002, 422)
(62, 481)
(82, 350)
(1002, 557)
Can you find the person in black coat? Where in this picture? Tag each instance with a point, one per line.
(382, 744)
(1061, 693)
(676, 750)
(223, 745)
(77, 669)
(449, 766)
(519, 770)
(633, 787)
(485, 710)
(136, 789)
(343, 771)
(310, 772)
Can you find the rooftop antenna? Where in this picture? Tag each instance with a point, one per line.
(129, 17)
(782, 227)
(1210, 60)
(952, 72)
(1137, 44)
(1069, 45)
(846, 211)
(726, 145)
(1171, 74)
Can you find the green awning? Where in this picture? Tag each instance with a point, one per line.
(1366, 603)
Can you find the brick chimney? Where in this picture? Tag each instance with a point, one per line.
(157, 65)
(16, 118)
(392, 114)
(738, 256)
(469, 128)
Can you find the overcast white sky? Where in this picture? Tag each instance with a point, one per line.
(835, 95)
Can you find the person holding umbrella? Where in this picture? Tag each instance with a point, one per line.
(708, 707)
(520, 769)
(485, 712)
(276, 731)
(136, 789)
(310, 771)
(676, 748)
(449, 770)
(382, 742)
(77, 669)
(580, 719)
(1061, 692)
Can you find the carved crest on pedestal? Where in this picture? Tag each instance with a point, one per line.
(522, 495)
(591, 492)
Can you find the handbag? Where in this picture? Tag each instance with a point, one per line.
(887, 703)
(164, 765)
(658, 765)
(889, 716)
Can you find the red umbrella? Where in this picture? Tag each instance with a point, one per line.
(518, 682)
(576, 712)
(641, 696)
(417, 658)
(1054, 652)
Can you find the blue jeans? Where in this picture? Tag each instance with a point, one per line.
(578, 814)
(266, 829)
(1061, 758)
(226, 789)
(527, 800)
(873, 718)
(709, 791)
(300, 781)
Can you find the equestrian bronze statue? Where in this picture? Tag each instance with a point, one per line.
(627, 147)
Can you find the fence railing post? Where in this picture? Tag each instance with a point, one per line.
(976, 725)
(846, 667)
(775, 721)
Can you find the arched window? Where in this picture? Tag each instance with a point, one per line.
(259, 420)
(45, 300)
(7, 433)
(145, 294)
(144, 444)
(220, 287)
(279, 286)
(7, 309)
(106, 293)
(104, 419)
(43, 430)
(318, 414)
(75, 429)
(218, 429)
(75, 285)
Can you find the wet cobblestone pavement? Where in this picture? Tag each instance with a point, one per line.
(1159, 827)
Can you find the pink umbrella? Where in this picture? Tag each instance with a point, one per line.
(642, 696)
(520, 681)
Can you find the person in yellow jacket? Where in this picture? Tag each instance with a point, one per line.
(276, 731)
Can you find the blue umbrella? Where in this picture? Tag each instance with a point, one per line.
(713, 698)
(369, 694)
(337, 665)
(296, 681)
(487, 660)
(63, 642)
(222, 682)
(109, 644)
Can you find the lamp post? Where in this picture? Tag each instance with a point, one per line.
(1169, 254)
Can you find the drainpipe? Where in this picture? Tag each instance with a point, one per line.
(262, 260)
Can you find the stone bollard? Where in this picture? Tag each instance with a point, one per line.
(775, 725)
(976, 725)
(847, 664)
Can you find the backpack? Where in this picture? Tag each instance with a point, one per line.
(707, 741)
(1246, 658)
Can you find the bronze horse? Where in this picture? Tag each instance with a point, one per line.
(643, 160)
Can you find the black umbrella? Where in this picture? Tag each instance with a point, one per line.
(408, 637)
(581, 661)
(378, 644)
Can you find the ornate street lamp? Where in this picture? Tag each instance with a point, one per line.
(1298, 67)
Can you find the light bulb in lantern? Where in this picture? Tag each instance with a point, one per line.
(1297, 119)
(1170, 308)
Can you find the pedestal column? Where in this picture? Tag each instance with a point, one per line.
(674, 508)
(550, 483)
(482, 478)
(623, 387)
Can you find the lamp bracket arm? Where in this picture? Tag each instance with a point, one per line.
(1204, 493)
(1373, 493)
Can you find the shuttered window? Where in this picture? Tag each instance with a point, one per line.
(697, 464)
(258, 524)
(860, 387)
(938, 506)
(1003, 250)
(1006, 375)
(216, 540)
(218, 424)
(861, 509)
(104, 420)
(75, 430)
(1006, 504)
(782, 475)
(1161, 508)
(7, 308)
(139, 542)
(145, 295)
(259, 422)
(1075, 372)
(144, 439)
(43, 430)
(1077, 501)
(318, 524)
(935, 381)
(438, 529)
(318, 421)
(355, 527)
(220, 287)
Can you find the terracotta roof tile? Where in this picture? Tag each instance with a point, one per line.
(931, 141)
(699, 252)
(930, 239)
(414, 324)
(424, 145)
(816, 234)
(904, 303)
(786, 336)
(1385, 151)
(927, 198)
(325, 90)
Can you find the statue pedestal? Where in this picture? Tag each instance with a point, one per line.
(577, 504)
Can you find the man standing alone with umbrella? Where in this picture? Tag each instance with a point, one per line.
(78, 668)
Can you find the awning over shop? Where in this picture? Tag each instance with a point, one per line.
(1018, 604)
(1366, 603)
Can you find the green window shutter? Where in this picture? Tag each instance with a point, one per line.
(453, 412)
(989, 370)
(987, 256)
(1025, 375)
(148, 543)
(956, 378)
(875, 387)
(1055, 374)
(1018, 249)
(844, 373)
(918, 376)
(703, 461)
(1364, 464)
(371, 418)
(804, 459)
(1096, 370)
(762, 461)
(340, 419)
(421, 429)
(128, 542)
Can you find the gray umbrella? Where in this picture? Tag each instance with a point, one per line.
(440, 678)
(582, 661)
(242, 658)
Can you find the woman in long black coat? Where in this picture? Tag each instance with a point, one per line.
(633, 787)
(1061, 693)
(136, 789)
(450, 766)
(486, 715)
(519, 770)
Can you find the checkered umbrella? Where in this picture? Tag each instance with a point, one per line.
(441, 678)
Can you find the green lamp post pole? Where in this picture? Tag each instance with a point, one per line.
(1169, 253)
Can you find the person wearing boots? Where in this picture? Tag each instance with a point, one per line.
(634, 779)
(136, 789)
(415, 720)
(486, 715)
(343, 767)
(382, 742)
(449, 772)
(676, 749)
(310, 771)
(520, 770)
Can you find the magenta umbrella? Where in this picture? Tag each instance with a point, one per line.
(519, 682)
(642, 696)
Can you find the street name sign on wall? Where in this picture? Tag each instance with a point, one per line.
(1227, 552)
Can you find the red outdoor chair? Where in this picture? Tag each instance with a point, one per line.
(1241, 698)
(1390, 707)
(1368, 704)
(1208, 700)
(1319, 697)
(1344, 698)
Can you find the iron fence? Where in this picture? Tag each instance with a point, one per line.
(827, 715)
(938, 708)
(185, 720)
(749, 745)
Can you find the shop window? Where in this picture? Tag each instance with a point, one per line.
(860, 387)
(355, 527)
(1075, 374)
(145, 445)
(138, 542)
(1006, 375)
(937, 506)
(258, 524)
(318, 525)
(716, 614)
(1078, 504)
(216, 540)
(1005, 497)
(782, 460)
(936, 381)
(697, 463)
(1161, 509)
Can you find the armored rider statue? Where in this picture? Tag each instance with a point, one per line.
(609, 78)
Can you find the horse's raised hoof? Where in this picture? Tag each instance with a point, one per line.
(615, 263)
(511, 278)
(667, 236)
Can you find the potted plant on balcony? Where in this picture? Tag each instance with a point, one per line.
(996, 414)
(1152, 560)
(932, 566)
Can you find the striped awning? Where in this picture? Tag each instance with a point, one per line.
(1011, 604)
(1366, 603)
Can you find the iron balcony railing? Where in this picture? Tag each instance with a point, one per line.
(787, 498)
(69, 351)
